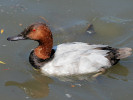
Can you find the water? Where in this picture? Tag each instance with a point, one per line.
(68, 20)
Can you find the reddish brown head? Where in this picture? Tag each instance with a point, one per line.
(38, 32)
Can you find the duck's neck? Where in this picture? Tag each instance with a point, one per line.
(43, 51)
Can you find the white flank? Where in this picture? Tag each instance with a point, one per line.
(76, 58)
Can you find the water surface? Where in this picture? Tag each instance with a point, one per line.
(68, 20)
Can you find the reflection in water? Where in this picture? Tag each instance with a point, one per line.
(38, 87)
(35, 88)
(118, 70)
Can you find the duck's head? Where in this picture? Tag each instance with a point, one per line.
(37, 31)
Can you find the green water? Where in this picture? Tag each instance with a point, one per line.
(68, 20)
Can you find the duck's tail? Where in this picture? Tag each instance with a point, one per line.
(123, 53)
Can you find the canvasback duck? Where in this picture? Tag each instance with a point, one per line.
(68, 58)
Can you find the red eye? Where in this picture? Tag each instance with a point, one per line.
(34, 30)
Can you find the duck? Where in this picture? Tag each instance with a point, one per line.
(65, 59)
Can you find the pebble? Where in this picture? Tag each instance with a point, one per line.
(27, 97)
(3, 45)
(68, 95)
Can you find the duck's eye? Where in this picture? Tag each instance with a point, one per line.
(34, 30)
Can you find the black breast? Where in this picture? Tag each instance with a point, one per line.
(37, 62)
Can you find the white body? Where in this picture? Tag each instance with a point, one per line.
(76, 58)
